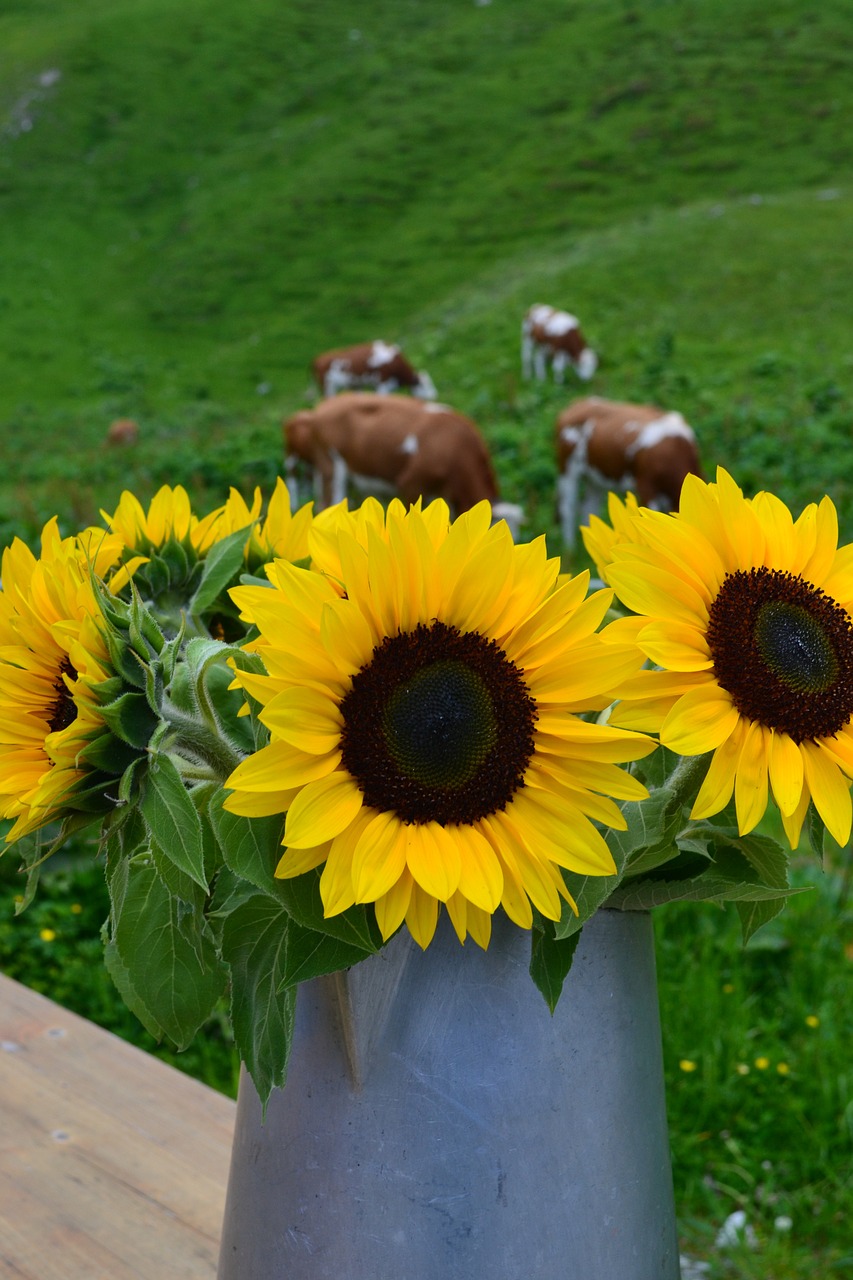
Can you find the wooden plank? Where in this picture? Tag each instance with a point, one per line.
(113, 1165)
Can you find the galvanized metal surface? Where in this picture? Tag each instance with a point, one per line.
(439, 1124)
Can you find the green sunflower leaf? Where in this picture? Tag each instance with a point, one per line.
(642, 895)
(755, 914)
(120, 975)
(221, 567)
(759, 856)
(650, 837)
(181, 886)
(357, 926)
(589, 893)
(172, 818)
(255, 945)
(130, 718)
(550, 961)
(313, 955)
(251, 847)
(766, 858)
(177, 981)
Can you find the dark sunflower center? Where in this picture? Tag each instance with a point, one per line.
(63, 710)
(795, 647)
(783, 649)
(438, 726)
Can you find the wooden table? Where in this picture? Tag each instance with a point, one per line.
(113, 1165)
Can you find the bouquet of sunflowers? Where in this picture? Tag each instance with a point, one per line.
(297, 734)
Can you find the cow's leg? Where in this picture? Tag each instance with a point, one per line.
(526, 354)
(558, 366)
(387, 387)
(649, 495)
(595, 490)
(339, 478)
(290, 480)
(324, 478)
(568, 486)
(539, 361)
(337, 379)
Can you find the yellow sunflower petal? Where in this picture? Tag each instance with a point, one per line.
(305, 718)
(786, 772)
(480, 876)
(550, 615)
(434, 858)
(279, 767)
(564, 835)
(676, 646)
(379, 858)
(322, 810)
(346, 633)
(840, 748)
(778, 525)
(562, 733)
(336, 887)
(295, 862)
(422, 916)
(514, 900)
(392, 907)
(718, 785)
(793, 823)
(821, 560)
(650, 590)
(751, 778)
(829, 789)
(557, 643)
(699, 721)
(479, 924)
(740, 521)
(537, 877)
(457, 909)
(261, 804)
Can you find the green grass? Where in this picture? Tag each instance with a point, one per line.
(209, 194)
(759, 1081)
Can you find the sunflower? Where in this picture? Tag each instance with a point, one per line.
(600, 538)
(169, 516)
(283, 533)
(422, 696)
(166, 546)
(52, 655)
(749, 616)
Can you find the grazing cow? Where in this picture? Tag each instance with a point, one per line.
(390, 445)
(605, 445)
(552, 335)
(374, 365)
(123, 431)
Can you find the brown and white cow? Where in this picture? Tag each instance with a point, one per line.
(554, 336)
(605, 445)
(123, 431)
(393, 445)
(377, 365)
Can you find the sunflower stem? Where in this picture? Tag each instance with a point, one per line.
(199, 741)
(687, 777)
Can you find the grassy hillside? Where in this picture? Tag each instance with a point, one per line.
(195, 200)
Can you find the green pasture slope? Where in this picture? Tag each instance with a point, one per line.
(196, 198)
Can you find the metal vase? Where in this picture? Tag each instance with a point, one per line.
(439, 1124)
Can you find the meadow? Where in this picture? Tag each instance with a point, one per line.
(194, 200)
